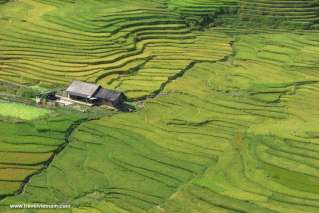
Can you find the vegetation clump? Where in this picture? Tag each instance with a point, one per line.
(226, 117)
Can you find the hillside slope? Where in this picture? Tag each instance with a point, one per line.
(226, 121)
(227, 136)
(303, 14)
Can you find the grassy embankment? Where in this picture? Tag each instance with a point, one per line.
(238, 132)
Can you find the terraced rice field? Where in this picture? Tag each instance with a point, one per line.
(287, 13)
(302, 13)
(229, 120)
(129, 48)
(27, 146)
(203, 10)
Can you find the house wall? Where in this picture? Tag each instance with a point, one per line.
(114, 104)
(105, 102)
(77, 98)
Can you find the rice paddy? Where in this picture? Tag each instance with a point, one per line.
(28, 145)
(21, 111)
(229, 119)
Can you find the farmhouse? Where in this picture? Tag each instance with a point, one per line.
(94, 94)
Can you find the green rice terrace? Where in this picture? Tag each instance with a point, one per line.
(226, 99)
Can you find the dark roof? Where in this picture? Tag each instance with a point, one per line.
(82, 89)
(107, 94)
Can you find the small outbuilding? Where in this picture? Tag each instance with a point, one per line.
(110, 97)
(94, 94)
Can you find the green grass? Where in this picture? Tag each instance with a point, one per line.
(229, 122)
(21, 111)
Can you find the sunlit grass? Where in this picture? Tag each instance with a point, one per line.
(21, 111)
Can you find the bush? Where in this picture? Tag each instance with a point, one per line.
(26, 93)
